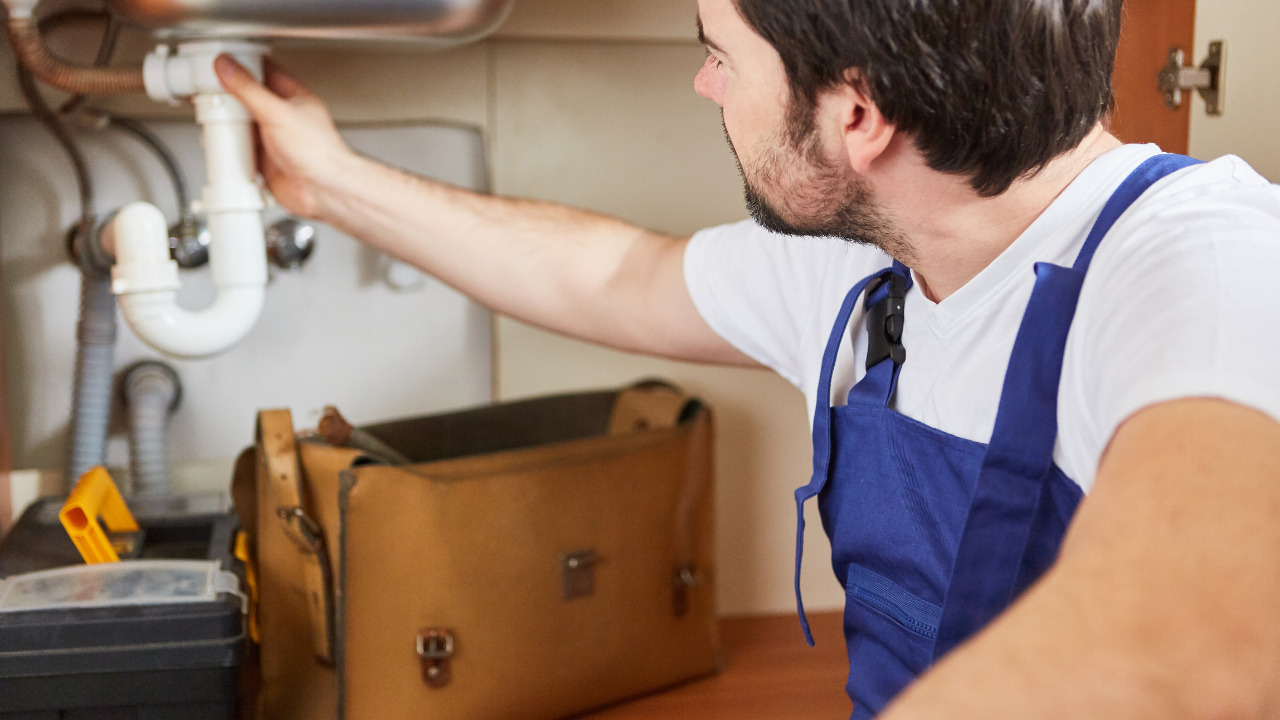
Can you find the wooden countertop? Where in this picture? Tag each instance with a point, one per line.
(769, 674)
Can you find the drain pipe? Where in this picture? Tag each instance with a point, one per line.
(144, 278)
(96, 322)
(95, 357)
(151, 393)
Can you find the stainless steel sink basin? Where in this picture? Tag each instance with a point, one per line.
(441, 20)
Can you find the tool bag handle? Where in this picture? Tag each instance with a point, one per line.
(654, 404)
(277, 451)
(650, 405)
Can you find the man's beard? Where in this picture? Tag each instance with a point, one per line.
(821, 200)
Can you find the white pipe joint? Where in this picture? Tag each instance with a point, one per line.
(144, 277)
(170, 77)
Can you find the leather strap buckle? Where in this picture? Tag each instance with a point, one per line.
(885, 321)
(300, 528)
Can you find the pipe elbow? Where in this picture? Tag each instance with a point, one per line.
(158, 320)
(146, 283)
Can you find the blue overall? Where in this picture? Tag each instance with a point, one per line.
(933, 535)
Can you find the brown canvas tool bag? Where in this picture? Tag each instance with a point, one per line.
(532, 560)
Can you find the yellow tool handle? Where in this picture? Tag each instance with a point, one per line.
(94, 496)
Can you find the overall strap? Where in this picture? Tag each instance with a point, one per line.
(822, 413)
(1144, 176)
(1019, 458)
(885, 316)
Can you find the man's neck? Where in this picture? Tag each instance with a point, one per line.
(953, 232)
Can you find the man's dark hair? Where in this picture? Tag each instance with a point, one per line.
(990, 89)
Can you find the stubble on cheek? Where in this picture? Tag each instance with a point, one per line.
(791, 187)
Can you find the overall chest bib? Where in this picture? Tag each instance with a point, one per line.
(933, 535)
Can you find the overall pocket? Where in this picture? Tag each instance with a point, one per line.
(885, 597)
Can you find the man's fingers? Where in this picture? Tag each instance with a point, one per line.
(281, 82)
(243, 85)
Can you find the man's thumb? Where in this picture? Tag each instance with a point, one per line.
(242, 84)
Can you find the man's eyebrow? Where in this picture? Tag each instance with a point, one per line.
(702, 36)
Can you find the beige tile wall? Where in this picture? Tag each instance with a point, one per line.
(591, 103)
(601, 20)
(1249, 126)
(617, 128)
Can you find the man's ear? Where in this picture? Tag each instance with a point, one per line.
(865, 133)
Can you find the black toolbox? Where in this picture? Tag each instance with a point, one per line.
(156, 637)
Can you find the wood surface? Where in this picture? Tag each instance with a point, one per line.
(1150, 28)
(769, 674)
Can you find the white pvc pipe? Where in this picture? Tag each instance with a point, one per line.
(144, 277)
(145, 281)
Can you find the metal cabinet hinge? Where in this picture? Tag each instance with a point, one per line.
(435, 650)
(1207, 79)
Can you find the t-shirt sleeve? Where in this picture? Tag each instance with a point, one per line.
(1187, 306)
(742, 284)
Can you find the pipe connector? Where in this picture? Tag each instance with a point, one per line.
(138, 236)
(170, 77)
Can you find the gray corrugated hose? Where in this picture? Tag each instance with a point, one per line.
(95, 361)
(151, 393)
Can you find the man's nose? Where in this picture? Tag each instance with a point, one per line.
(707, 83)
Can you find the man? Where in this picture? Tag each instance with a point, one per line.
(962, 140)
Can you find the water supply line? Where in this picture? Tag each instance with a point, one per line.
(151, 392)
(144, 277)
(29, 48)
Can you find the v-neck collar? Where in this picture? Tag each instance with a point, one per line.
(1060, 228)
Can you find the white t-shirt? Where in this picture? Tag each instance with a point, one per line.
(1182, 300)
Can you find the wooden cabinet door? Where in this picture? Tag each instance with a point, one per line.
(1150, 28)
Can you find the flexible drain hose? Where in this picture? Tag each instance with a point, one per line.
(31, 52)
(95, 360)
(151, 392)
(96, 326)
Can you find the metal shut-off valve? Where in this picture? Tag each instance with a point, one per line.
(290, 242)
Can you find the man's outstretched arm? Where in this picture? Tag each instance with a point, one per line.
(570, 271)
(1164, 602)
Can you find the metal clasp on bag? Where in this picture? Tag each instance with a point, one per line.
(435, 649)
(686, 576)
(578, 574)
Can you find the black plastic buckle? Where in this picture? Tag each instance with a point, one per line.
(884, 323)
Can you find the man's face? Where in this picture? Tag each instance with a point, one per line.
(794, 182)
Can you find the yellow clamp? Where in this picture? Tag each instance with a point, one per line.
(94, 496)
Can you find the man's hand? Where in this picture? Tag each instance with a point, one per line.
(299, 147)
